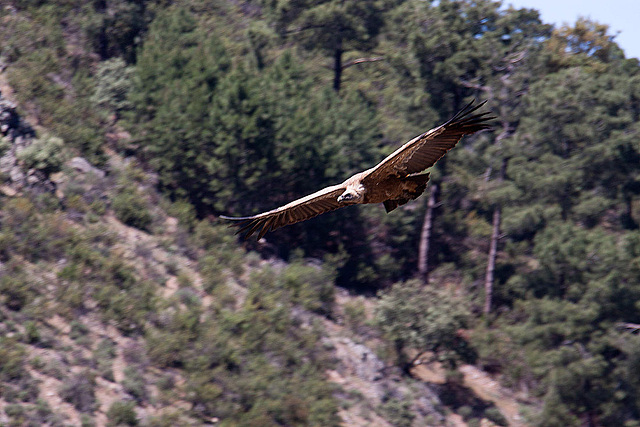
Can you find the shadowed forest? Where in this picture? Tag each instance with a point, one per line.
(129, 126)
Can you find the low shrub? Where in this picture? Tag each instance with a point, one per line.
(79, 390)
(16, 289)
(13, 357)
(398, 412)
(45, 154)
(134, 383)
(130, 208)
(122, 414)
(311, 286)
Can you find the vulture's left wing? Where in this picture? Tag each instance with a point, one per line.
(302, 209)
(425, 150)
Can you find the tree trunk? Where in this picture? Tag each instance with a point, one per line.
(491, 264)
(627, 217)
(493, 248)
(425, 235)
(337, 68)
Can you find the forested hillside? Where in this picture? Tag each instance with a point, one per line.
(129, 126)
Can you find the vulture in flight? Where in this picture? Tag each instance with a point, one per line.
(392, 182)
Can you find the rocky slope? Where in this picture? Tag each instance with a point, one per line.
(69, 356)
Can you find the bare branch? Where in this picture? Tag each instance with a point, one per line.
(473, 85)
(361, 60)
(507, 130)
(632, 326)
(305, 28)
(519, 57)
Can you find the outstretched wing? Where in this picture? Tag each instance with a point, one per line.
(302, 209)
(425, 150)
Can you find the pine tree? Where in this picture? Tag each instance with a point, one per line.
(334, 27)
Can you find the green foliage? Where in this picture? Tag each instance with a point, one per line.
(79, 390)
(13, 357)
(16, 413)
(103, 356)
(562, 345)
(52, 367)
(586, 44)
(86, 421)
(398, 412)
(333, 27)
(590, 171)
(124, 299)
(78, 330)
(32, 335)
(31, 414)
(459, 47)
(253, 135)
(16, 290)
(212, 269)
(312, 287)
(130, 207)
(42, 73)
(122, 413)
(260, 38)
(244, 366)
(222, 256)
(166, 344)
(134, 383)
(45, 154)
(27, 232)
(114, 84)
(166, 382)
(235, 120)
(245, 133)
(420, 317)
(114, 27)
(100, 274)
(355, 315)
(495, 416)
(5, 145)
(184, 212)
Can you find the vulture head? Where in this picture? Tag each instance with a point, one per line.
(352, 195)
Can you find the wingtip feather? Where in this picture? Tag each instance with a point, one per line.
(472, 122)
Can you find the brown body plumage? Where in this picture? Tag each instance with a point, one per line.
(393, 182)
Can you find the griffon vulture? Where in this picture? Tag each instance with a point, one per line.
(392, 182)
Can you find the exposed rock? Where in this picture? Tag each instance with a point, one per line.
(8, 191)
(11, 125)
(19, 135)
(16, 175)
(8, 117)
(33, 179)
(16, 135)
(359, 370)
(82, 165)
(359, 360)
